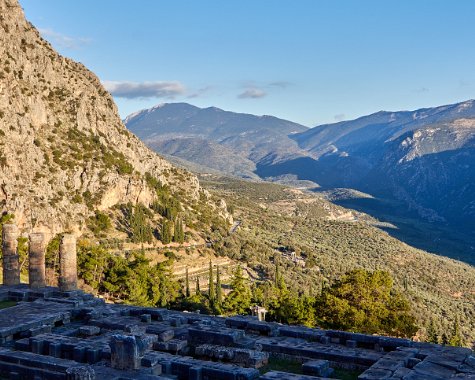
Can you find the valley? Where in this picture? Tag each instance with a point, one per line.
(416, 166)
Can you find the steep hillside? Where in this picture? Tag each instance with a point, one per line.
(329, 240)
(226, 141)
(64, 150)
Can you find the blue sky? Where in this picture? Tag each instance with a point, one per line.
(308, 61)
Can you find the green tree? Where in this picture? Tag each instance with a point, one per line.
(187, 284)
(197, 290)
(238, 300)
(211, 292)
(99, 223)
(432, 333)
(141, 231)
(23, 256)
(456, 338)
(178, 234)
(165, 234)
(366, 302)
(52, 259)
(219, 291)
(92, 262)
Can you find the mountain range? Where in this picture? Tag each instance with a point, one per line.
(416, 166)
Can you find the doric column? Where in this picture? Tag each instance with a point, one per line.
(37, 270)
(68, 275)
(11, 263)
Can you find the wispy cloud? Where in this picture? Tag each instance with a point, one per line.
(63, 40)
(252, 93)
(145, 90)
(422, 89)
(280, 84)
(339, 117)
(199, 92)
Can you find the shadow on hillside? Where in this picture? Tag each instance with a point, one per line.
(432, 237)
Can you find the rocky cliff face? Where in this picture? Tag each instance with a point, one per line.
(432, 169)
(63, 148)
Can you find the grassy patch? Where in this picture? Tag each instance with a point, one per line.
(282, 365)
(6, 304)
(346, 374)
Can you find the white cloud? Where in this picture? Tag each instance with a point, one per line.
(144, 90)
(252, 93)
(340, 117)
(63, 40)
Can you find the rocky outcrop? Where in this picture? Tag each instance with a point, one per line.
(63, 148)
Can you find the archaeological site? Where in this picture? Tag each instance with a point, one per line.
(64, 333)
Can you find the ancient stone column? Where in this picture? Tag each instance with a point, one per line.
(37, 271)
(68, 274)
(11, 263)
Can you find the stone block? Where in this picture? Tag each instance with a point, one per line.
(39, 330)
(401, 372)
(434, 370)
(54, 350)
(147, 318)
(375, 374)
(22, 344)
(80, 373)
(351, 343)
(387, 363)
(79, 354)
(316, 368)
(89, 330)
(37, 346)
(93, 355)
(124, 352)
(195, 373)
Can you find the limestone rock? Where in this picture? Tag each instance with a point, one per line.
(63, 148)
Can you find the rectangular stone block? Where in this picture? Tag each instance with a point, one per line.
(316, 367)
(89, 330)
(195, 373)
(124, 352)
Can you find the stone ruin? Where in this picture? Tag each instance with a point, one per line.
(64, 333)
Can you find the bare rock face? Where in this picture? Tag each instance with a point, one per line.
(63, 148)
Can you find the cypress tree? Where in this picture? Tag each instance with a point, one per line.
(456, 339)
(187, 284)
(165, 233)
(219, 294)
(198, 291)
(211, 291)
(238, 300)
(432, 334)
